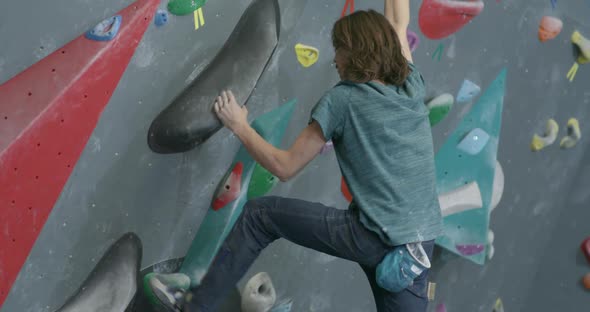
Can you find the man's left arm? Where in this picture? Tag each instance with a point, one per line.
(284, 164)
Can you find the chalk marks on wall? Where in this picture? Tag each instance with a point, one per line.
(549, 28)
(441, 18)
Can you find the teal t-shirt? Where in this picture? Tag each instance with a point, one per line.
(383, 143)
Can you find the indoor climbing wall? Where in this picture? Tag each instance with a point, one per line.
(96, 141)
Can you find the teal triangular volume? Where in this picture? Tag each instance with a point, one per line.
(216, 225)
(455, 168)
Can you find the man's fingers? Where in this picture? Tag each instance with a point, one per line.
(225, 98)
(231, 96)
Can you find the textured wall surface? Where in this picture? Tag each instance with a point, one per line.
(120, 185)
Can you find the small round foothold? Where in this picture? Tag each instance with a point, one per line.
(161, 18)
(586, 281)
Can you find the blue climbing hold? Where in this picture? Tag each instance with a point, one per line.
(474, 141)
(161, 18)
(105, 30)
(468, 91)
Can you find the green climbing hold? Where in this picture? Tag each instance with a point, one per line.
(262, 182)
(439, 107)
(184, 7)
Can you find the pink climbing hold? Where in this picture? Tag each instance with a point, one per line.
(470, 250)
(441, 308)
(441, 18)
(549, 28)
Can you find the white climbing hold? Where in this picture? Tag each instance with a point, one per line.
(498, 186)
(460, 199)
(259, 294)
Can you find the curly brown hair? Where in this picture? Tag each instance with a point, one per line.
(372, 48)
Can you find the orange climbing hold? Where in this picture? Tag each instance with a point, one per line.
(549, 28)
(586, 281)
(229, 190)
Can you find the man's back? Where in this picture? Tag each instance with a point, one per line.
(383, 143)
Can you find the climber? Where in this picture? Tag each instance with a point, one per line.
(378, 123)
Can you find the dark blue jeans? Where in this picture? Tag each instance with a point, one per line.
(332, 231)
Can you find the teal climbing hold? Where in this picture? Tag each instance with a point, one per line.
(455, 167)
(217, 223)
(261, 183)
(474, 141)
(468, 91)
(439, 107)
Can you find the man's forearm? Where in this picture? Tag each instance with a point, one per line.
(268, 156)
(398, 13)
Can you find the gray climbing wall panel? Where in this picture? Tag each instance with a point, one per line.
(119, 185)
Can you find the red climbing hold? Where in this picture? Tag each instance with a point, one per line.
(348, 6)
(586, 248)
(229, 190)
(345, 191)
(441, 18)
(47, 114)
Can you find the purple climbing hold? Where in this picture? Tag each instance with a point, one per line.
(470, 250)
(441, 308)
(327, 147)
(413, 40)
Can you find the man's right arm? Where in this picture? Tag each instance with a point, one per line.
(397, 13)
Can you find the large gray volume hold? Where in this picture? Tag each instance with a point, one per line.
(112, 285)
(190, 119)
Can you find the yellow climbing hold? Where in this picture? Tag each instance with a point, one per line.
(540, 142)
(198, 16)
(306, 55)
(583, 45)
(498, 306)
(573, 134)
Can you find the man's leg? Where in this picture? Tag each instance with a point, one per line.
(313, 225)
(411, 299)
